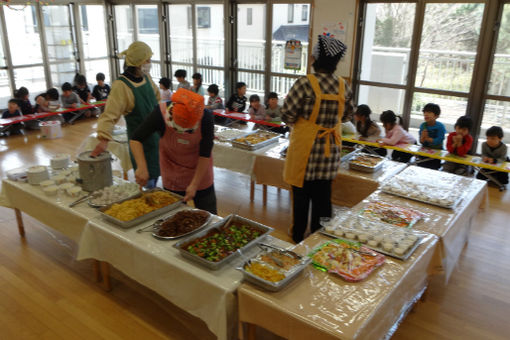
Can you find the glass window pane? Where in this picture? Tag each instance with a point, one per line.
(93, 67)
(251, 39)
(181, 35)
(388, 30)
(451, 109)
(22, 26)
(59, 38)
(448, 46)
(381, 99)
(496, 113)
(5, 90)
(61, 73)
(210, 35)
(283, 32)
(500, 76)
(175, 67)
(124, 26)
(281, 85)
(148, 29)
(254, 83)
(212, 76)
(32, 78)
(93, 31)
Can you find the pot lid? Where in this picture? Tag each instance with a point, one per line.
(85, 157)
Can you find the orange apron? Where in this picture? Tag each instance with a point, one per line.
(304, 133)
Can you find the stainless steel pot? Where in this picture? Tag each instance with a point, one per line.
(95, 172)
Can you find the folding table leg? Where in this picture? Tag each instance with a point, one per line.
(97, 270)
(105, 273)
(19, 219)
(252, 191)
(264, 194)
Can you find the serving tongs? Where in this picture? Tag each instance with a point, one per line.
(79, 200)
(265, 246)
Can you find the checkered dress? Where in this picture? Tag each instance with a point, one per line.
(299, 103)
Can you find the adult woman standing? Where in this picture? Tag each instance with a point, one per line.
(185, 149)
(134, 96)
(314, 108)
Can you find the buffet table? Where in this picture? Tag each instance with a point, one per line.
(318, 305)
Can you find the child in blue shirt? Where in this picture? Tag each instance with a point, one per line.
(432, 134)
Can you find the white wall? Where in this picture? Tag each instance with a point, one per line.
(327, 12)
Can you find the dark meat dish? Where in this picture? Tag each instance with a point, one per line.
(183, 222)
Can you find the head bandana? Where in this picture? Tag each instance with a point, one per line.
(137, 54)
(328, 47)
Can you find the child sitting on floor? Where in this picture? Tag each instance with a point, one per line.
(82, 89)
(13, 111)
(101, 90)
(459, 143)
(71, 100)
(494, 151)
(432, 135)
(395, 135)
(273, 110)
(197, 84)
(367, 129)
(164, 89)
(214, 102)
(180, 75)
(48, 101)
(237, 102)
(256, 110)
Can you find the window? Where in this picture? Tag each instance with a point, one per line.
(21, 26)
(249, 16)
(147, 20)
(204, 17)
(304, 13)
(444, 61)
(84, 18)
(124, 27)
(290, 13)
(95, 48)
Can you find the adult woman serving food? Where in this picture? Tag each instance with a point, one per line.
(134, 96)
(314, 109)
(185, 147)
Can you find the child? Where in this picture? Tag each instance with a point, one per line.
(13, 111)
(101, 90)
(432, 135)
(237, 102)
(459, 143)
(214, 102)
(494, 151)
(82, 89)
(164, 89)
(256, 111)
(395, 135)
(180, 75)
(22, 96)
(367, 129)
(197, 84)
(71, 100)
(48, 101)
(273, 110)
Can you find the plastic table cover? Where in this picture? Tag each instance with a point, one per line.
(319, 305)
(451, 225)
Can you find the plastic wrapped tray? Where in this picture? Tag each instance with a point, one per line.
(226, 221)
(157, 224)
(143, 218)
(274, 139)
(391, 213)
(274, 286)
(366, 168)
(347, 156)
(423, 200)
(224, 134)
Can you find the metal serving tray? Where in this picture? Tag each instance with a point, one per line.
(229, 219)
(275, 286)
(366, 168)
(257, 146)
(143, 218)
(351, 154)
(157, 224)
(424, 201)
(218, 136)
(89, 202)
(404, 257)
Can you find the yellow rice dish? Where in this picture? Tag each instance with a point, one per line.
(133, 208)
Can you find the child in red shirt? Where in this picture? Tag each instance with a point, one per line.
(459, 143)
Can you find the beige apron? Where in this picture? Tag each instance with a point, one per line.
(304, 132)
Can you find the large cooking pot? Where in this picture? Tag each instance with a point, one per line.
(95, 172)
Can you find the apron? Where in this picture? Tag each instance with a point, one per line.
(179, 154)
(145, 101)
(304, 133)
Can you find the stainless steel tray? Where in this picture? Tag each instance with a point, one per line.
(404, 257)
(221, 139)
(275, 286)
(143, 218)
(257, 146)
(351, 154)
(366, 168)
(424, 201)
(229, 219)
(89, 202)
(156, 225)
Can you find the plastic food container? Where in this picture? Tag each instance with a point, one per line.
(74, 191)
(51, 190)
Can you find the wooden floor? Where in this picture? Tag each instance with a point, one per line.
(45, 294)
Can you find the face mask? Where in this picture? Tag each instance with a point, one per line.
(146, 68)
